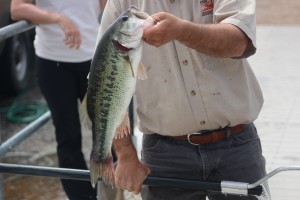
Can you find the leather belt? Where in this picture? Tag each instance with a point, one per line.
(208, 137)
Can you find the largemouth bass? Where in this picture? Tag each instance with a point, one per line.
(114, 70)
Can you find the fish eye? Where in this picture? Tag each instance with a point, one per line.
(125, 17)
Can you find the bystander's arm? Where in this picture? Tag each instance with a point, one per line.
(26, 10)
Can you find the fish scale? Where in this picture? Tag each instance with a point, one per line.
(108, 91)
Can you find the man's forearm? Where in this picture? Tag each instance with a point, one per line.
(220, 40)
(130, 172)
(124, 148)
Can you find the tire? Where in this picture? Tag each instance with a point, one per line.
(17, 64)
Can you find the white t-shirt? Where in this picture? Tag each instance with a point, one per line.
(49, 39)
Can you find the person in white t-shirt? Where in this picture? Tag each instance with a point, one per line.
(64, 44)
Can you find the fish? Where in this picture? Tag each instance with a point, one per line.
(115, 68)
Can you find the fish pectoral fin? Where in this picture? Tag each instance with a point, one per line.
(141, 73)
(123, 129)
(83, 114)
(132, 71)
(130, 64)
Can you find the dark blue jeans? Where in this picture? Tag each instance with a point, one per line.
(62, 85)
(237, 158)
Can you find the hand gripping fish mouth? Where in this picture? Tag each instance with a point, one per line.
(130, 34)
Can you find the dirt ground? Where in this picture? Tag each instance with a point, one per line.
(36, 188)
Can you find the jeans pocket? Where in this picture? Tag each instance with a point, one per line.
(247, 135)
(151, 143)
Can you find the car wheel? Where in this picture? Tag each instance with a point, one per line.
(16, 61)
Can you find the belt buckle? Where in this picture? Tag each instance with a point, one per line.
(189, 138)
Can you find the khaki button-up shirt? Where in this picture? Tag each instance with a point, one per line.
(187, 91)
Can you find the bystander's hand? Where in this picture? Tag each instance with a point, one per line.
(72, 33)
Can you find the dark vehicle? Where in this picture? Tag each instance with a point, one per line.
(16, 56)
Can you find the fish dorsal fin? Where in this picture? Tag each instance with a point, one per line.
(83, 114)
(141, 73)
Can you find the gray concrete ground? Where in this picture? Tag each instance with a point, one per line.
(277, 66)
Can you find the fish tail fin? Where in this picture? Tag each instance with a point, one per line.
(124, 128)
(102, 169)
(83, 114)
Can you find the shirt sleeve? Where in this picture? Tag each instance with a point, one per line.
(240, 13)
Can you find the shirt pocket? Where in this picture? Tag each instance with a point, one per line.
(212, 63)
(215, 63)
(202, 12)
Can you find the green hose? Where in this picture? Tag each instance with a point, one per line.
(25, 111)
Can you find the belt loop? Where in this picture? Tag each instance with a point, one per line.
(228, 132)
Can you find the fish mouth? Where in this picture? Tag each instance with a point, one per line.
(148, 20)
(138, 13)
(121, 47)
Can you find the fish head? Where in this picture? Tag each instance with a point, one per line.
(130, 29)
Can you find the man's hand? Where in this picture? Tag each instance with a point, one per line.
(130, 174)
(166, 29)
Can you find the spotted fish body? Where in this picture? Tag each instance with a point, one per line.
(113, 74)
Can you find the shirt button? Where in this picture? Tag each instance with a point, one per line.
(172, 1)
(185, 62)
(193, 92)
(202, 122)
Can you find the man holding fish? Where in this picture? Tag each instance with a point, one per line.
(197, 104)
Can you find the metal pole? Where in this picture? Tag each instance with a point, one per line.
(14, 29)
(276, 171)
(63, 173)
(85, 175)
(1, 175)
(23, 134)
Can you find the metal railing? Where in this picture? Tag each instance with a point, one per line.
(20, 136)
(225, 187)
(14, 29)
